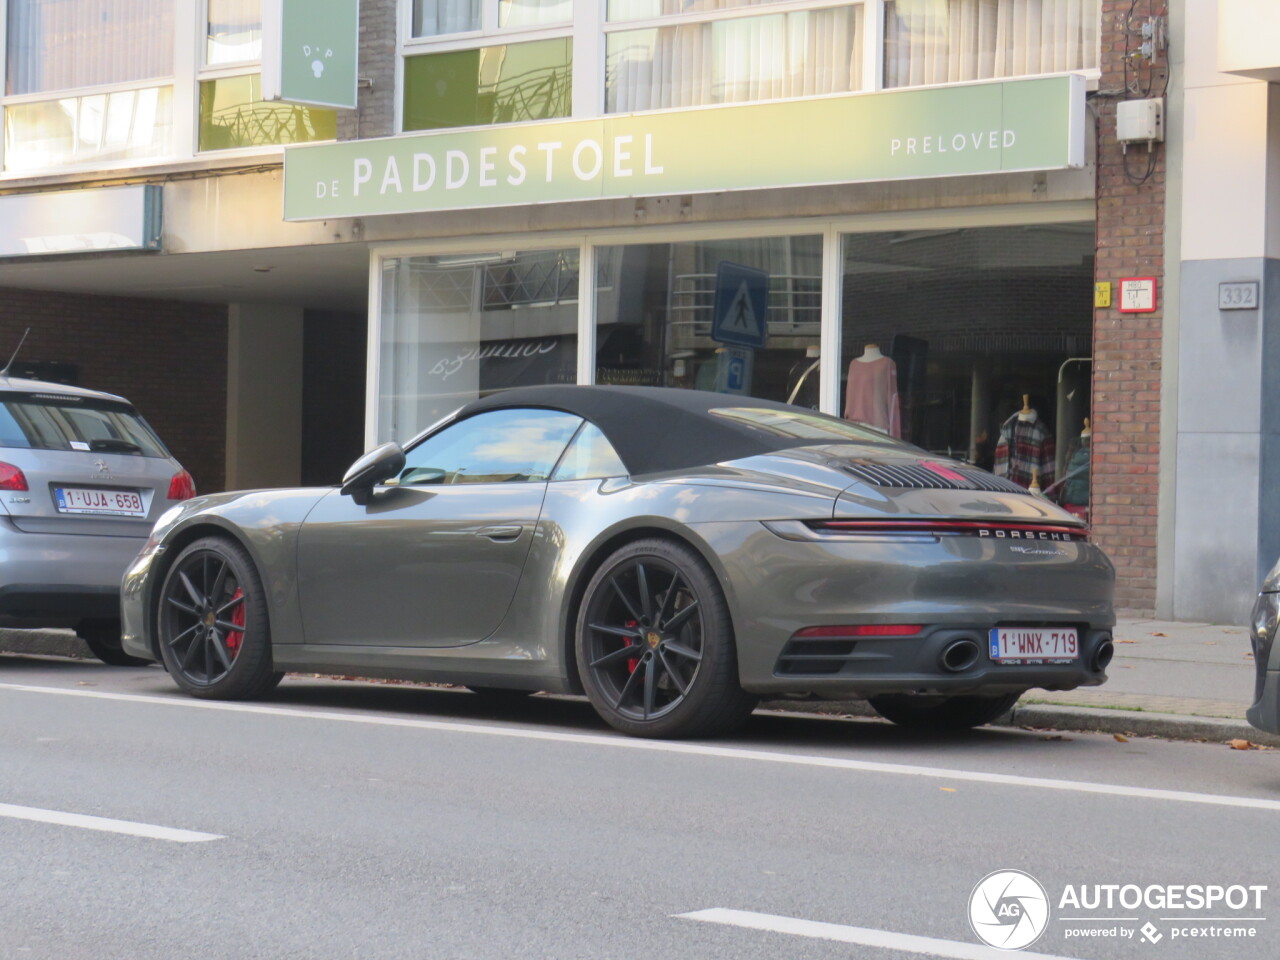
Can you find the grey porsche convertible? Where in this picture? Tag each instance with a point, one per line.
(673, 554)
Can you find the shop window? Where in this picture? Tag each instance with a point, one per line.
(233, 114)
(656, 324)
(951, 41)
(502, 84)
(975, 344)
(800, 54)
(455, 328)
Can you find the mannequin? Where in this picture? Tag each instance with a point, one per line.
(871, 393)
(1025, 451)
(1075, 484)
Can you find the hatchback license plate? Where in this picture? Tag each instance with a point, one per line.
(1035, 643)
(117, 503)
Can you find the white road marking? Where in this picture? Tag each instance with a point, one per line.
(863, 936)
(105, 824)
(620, 742)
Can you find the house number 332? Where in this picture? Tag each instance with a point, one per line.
(1238, 296)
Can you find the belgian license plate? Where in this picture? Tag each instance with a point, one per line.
(116, 503)
(1035, 643)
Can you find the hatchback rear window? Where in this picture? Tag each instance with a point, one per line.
(51, 422)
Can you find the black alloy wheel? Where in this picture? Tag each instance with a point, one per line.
(959, 712)
(655, 644)
(212, 623)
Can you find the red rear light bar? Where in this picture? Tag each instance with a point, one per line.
(1000, 530)
(861, 630)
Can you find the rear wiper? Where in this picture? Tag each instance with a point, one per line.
(114, 446)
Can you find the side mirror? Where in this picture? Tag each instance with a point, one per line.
(380, 463)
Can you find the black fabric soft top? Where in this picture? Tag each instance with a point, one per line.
(659, 429)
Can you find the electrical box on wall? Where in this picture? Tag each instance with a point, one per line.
(1140, 121)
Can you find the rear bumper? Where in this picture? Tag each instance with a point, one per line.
(953, 588)
(56, 579)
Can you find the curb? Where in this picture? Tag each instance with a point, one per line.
(46, 643)
(1137, 723)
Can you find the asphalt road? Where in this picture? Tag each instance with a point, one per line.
(359, 820)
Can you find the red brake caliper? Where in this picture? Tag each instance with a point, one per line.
(631, 664)
(235, 637)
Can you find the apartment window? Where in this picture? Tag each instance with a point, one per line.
(796, 54)
(231, 113)
(951, 41)
(499, 84)
(234, 32)
(59, 56)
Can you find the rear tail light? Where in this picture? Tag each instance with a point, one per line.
(11, 478)
(997, 530)
(181, 487)
(860, 630)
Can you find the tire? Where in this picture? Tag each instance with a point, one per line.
(211, 619)
(942, 713)
(659, 598)
(102, 637)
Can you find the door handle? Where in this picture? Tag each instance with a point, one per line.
(501, 533)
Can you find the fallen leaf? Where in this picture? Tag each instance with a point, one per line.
(1120, 737)
(85, 683)
(1209, 643)
(947, 789)
(1249, 655)
(1241, 745)
(1056, 736)
(1126, 641)
(1159, 634)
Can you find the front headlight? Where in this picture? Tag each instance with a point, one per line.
(1272, 583)
(1266, 617)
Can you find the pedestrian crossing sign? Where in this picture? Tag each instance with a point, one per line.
(741, 306)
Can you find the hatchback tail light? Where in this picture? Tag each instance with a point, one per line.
(11, 478)
(181, 487)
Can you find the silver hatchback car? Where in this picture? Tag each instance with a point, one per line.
(82, 480)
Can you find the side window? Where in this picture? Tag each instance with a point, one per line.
(501, 446)
(590, 457)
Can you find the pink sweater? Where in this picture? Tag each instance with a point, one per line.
(871, 395)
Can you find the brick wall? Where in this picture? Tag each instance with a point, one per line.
(168, 358)
(375, 105)
(1126, 369)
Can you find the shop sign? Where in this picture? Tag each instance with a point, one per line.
(310, 49)
(81, 221)
(978, 128)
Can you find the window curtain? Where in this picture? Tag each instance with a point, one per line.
(434, 18)
(949, 41)
(801, 54)
(235, 31)
(65, 44)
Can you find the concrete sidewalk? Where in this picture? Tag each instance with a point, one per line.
(1184, 681)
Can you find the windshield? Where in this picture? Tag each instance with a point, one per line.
(803, 425)
(52, 422)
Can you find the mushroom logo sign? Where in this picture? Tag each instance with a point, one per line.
(310, 50)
